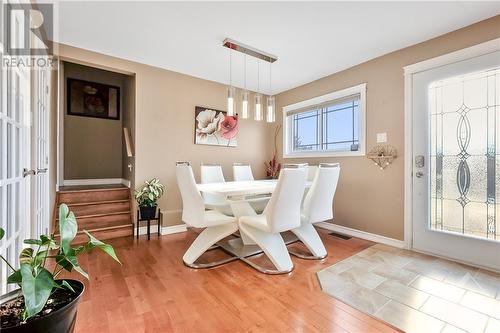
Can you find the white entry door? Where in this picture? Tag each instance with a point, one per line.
(456, 157)
(14, 159)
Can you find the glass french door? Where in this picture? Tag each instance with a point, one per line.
(456, 155)
(14, 158)
(40, 153)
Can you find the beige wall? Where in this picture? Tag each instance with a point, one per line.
(367, 198)
(93, 146)
(129, 123)
(164, 125)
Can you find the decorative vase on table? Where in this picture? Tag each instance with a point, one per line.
(273, 167)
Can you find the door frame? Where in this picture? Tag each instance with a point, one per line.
(446, 59)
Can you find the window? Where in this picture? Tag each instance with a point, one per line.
(328, 125)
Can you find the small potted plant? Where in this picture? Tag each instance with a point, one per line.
(44, 303)
(147, 197)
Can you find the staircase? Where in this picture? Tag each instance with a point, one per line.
(103, 211)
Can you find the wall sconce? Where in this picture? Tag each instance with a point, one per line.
(382, 155)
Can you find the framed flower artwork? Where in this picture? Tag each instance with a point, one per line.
(215, 128)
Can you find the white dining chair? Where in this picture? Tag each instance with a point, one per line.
(217, 225)
(243, 172)
(317, 207)
(311, 172)
(281, 214)
(212, 173)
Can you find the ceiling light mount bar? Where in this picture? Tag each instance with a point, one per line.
(248, 50)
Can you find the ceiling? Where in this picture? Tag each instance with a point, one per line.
(311, 40)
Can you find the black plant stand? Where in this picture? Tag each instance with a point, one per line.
(157, 218)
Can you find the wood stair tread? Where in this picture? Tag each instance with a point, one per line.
(128, 225)
(97, 202)
(106, 212)
(94, 190)
(100, 215)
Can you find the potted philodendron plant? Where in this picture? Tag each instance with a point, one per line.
(147, 196)
(45, 303)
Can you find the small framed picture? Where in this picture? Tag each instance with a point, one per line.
(92, 99)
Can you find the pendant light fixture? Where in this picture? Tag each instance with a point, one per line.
(245, 94)
(270, 112)
(230, 89)
(258, 98)
(245, 107)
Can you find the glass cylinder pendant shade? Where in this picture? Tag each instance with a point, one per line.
(270, 112)
(230, 101)
(244, 104)
(258, 116)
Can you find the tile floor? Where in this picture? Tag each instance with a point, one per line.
(416, 292)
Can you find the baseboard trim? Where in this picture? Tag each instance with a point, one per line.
(173, 229)
(100, 181)
(362, 234)
(126, 182)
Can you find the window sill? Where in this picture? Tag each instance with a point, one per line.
(324, 154)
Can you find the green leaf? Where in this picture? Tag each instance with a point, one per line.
(94, 242)
(45, 239)
(74, 262)
(36, 289)
(32, 241)
(61, 260)
(66, 285)
(15, 277)
(2, 233)
(26, 256)
(49, 242)
(39, 258)
(67, 227)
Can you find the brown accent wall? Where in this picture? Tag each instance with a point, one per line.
(93, 146)
(367, 198)
(164, 125)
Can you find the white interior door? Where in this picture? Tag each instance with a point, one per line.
(40, 156)
(14, 157)
(456, 156)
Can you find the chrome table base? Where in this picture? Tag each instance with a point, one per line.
(238, 250)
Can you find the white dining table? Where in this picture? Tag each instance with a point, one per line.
(239, 189)
(239, 194)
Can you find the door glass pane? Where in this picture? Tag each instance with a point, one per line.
(17, 99)
(464, 178)
(10, 150)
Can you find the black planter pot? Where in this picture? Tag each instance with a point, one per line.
(59, 321)
(148, 213)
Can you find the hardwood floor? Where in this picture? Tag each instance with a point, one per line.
(154, 292)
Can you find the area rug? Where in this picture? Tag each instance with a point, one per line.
(416, 292)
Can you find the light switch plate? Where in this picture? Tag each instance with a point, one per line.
(381, 137)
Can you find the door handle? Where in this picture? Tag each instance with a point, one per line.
(419, 161)
(44, 170)
(419, 174)
(27, 172)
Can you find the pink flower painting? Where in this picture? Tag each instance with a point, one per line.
(213, 127)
